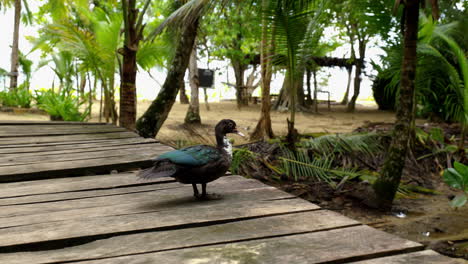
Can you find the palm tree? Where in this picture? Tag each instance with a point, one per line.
(133, 29)
(387, 184)
(15, 47)
(263, 127)
(187, 19)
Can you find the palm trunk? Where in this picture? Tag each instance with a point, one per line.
(205, 93)
(129, 68)
(263, 128)
(149, 124)
(386, 185)
(193, 111)
(14, 47)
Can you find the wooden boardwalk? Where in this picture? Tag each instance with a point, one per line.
(114, 218)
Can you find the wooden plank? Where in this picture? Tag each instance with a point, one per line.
(153, 217)
(52, 132)
(279, 225)
(78, 167)
(169, 196)
(73, 155)
(65, 138)
(421, 257)
(33, 149)
(54, 127)
(334, 246)
(131, 184)
(72, 184)
(46, 123)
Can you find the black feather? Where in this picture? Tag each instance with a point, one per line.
(163, 168)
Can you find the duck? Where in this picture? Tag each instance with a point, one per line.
(198, 164)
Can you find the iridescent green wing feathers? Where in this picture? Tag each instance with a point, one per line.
(192, 156)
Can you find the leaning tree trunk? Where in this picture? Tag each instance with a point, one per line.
(263, 127)
(193, 111)
(14, 47)
(387, 184)
(149, 124)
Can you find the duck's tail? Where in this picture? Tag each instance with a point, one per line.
(163, 168)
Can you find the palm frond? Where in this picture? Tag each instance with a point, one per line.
(358, 144)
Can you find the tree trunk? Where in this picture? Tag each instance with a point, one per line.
(300, 89)
(348, 85)
(263, 128)
(386, 185)
(239, 71)
(14, 47)
(357, 76)
(183, 96)
(193, 111)
(315, 91)
(309, 90)
(128, 99)
(205, 93)
(283, 97)
(149, 124)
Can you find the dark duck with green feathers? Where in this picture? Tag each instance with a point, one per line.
(199, 164)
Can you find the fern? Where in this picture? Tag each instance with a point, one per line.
(365, 144)
(300, 166)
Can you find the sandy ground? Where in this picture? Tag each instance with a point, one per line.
(335, 121)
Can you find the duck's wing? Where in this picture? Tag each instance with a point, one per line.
(192, 156)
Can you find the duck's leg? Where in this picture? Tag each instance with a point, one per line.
(195, 190)
(206, 196)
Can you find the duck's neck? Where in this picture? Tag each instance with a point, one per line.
(224, 143)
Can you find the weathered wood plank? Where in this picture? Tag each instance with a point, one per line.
(334, 246)
(78, 167)
(421, 257)
(73, 155)
(33, 149)
(153, 217)
(46, 123)
(72, 184)
(133, 185)
(66, 138)
(169, 196)
(271, 226)
(47, 131)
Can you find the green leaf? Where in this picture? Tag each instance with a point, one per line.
(459, 201)
(453, 178)
(437, 134)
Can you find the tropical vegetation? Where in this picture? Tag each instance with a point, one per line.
(96, 50)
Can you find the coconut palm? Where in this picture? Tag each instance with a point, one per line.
(16, 27)
(387, 184)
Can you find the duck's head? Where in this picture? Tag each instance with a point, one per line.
(226, 126)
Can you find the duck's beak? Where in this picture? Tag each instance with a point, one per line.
(238, 132)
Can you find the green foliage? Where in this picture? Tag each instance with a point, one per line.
(16, 98)
(442, 70)
(457, 178)
(239, 157)
(61, 106)
(367, 144)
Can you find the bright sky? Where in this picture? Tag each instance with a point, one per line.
(147, 87)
